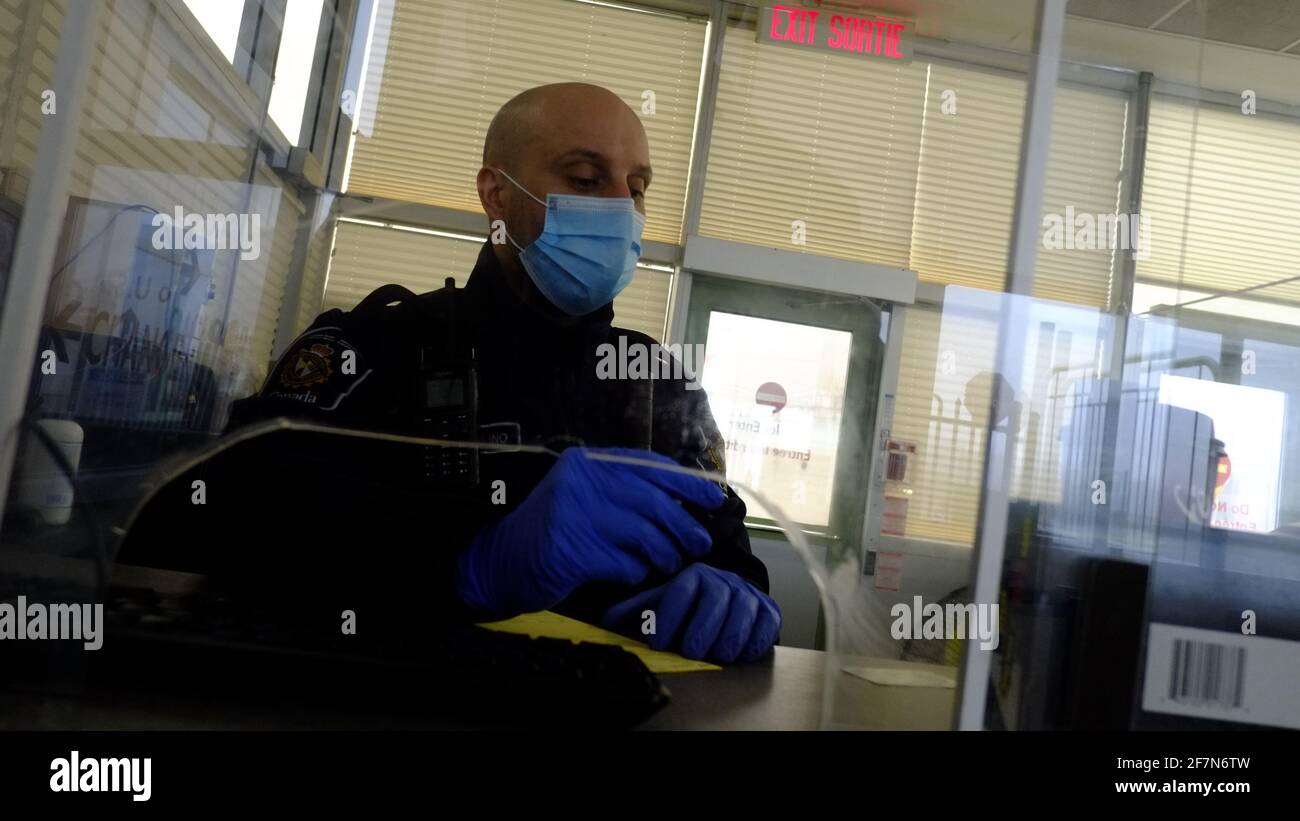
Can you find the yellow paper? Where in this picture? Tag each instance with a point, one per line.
(554, 626)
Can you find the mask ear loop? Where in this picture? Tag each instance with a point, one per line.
(520, 187)
(526, 191)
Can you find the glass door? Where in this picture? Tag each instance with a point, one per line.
(793, 378)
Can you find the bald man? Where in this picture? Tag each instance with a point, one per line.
(657, 554)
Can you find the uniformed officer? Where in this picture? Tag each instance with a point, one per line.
(565, 173)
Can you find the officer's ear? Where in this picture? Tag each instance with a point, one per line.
(490, 188)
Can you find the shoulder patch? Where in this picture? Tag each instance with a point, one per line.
(308, 366)
(320, 369)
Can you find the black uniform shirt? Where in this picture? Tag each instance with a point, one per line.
(357, 369)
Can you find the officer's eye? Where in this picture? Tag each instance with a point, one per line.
(583, 183)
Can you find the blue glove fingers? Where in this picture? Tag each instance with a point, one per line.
(625, 612)
(682, 486)
(674, 607)
(642, 539)
(660, 508)
(625, 526)
(766, 628)
(742, 615)
(611, 553)
(618, 567)
(712, 604)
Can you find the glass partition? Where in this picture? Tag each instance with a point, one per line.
(184, 254)
(1136, 566)
(987, 312)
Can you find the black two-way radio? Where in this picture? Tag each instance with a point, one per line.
(446, 403)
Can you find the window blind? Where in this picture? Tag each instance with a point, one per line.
(919, 171)
(965, 206)
(145, 140)
(447, 66)
(1223, 193)
(941, 354)
(368, 255)
(913, 166)
(313, 276)
(815, 137)
(969, 167)
(11, 29)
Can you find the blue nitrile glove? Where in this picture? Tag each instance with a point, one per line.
(703, 613)
(587, 520)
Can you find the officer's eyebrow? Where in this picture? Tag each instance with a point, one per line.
(639, 170)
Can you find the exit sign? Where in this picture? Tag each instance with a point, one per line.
(865, 35)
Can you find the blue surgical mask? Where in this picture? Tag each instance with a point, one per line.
(587, 251)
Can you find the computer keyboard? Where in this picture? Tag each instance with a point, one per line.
(215, 644)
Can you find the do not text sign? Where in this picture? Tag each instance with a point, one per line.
(864, 35)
